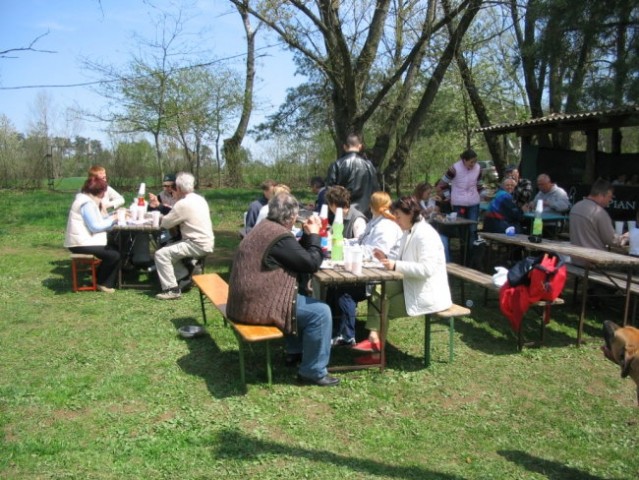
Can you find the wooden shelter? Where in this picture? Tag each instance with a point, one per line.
(575, 170)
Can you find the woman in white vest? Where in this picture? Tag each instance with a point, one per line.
(87, 231)
(462, 184)
(421, 259)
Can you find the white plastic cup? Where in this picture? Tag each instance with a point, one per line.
(348, 257)
(357, 258)
(155, 216)
(141, 213)
(632, 224)
(618, 228)
(121, 216)
(452, 216)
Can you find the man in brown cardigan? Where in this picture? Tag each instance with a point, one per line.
(263, 288)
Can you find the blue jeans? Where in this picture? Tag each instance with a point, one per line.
(471, 213)
(313, 339)
(445, 243)
(343, 302)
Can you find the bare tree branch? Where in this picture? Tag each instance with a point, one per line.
(29, 48)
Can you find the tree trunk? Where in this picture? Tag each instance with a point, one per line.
(400, 155)
(232, 146)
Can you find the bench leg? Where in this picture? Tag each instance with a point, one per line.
(203, 309)
(427, 339)
(544, 321)
(269, 370)
(451, 339)
(427, 322)
(241, 350)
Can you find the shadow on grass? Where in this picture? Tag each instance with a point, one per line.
(547, 468)
(240, 447)
(491, 333)
(220, 369)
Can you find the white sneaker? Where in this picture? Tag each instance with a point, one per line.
(102, 288)
(170, 294)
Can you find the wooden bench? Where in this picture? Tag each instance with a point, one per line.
(82, 263)
(213, 288)
(451, 313)
(466, 274)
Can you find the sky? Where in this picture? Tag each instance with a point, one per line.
(105, 31)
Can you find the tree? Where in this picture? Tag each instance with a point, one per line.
(231, 148)
(201, 101)
(372, 58)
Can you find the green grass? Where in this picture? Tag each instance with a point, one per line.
(101, 386)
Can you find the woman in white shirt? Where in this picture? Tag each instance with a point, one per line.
(87, 231)
(421, 259)
(381, 233)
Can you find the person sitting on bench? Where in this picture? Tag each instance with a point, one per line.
(263, 287)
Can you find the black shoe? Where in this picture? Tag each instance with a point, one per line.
(292, 359)
(326, 381)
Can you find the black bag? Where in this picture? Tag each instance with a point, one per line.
(518, 274)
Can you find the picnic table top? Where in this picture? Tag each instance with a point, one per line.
(600, 258)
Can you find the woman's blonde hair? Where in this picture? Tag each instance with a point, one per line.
(281, 188)
(381, 203)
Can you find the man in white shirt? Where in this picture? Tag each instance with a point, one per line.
(191, 213)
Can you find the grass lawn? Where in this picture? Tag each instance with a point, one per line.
(101, 386)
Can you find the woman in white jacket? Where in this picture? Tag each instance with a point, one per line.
(86, 231)
(421, 259)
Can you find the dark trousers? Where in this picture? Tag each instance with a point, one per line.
(108, 269)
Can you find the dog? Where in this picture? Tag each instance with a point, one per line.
(622, 348)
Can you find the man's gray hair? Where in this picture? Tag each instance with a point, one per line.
(283, 208)
(185, 182)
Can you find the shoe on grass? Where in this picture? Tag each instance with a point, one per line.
(169, 294)
(340, 341)
(105, 289)
(367, 346)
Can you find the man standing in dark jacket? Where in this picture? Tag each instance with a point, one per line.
(355, 173)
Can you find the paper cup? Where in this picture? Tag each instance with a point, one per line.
(357, 261)
(121, 216)
(155, 216)
(452, 216)
(632, 224)
(618, 228)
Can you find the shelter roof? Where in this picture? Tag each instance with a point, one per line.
(627, 116)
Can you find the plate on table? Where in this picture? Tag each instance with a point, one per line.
(329, 264)
(372, 264)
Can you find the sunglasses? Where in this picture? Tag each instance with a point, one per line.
(167, 185)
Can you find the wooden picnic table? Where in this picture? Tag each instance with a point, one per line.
(132, 228)
(589, 259)
(462, 225)
(339, 276)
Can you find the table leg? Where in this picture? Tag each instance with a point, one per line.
(582, 315)
(628, 295)
(122, 260)
(383, 327)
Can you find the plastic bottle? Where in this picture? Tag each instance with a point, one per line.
(323, 233)
(337, 253)
(141, 210)
(538, 223)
